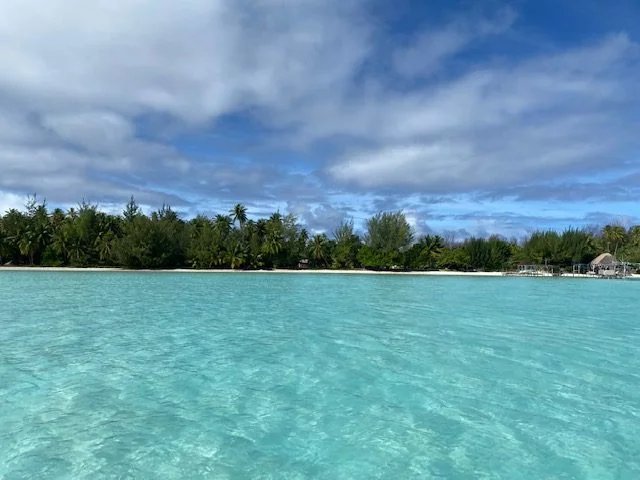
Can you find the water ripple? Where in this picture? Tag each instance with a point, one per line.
(287, 376)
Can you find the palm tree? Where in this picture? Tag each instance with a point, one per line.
(27, 246)
(76, 251)
(430, 247)
(318, 250)
(634, 235)
(104, 245)
(72, 213)
(633, 252)
(223, 223)
(57, 218)
(60, 242)
(304, 235)
(219, 258)
(613, 235)
(261, 229)
(273, 241)
(275, 218)
(272, 244)
(236, 255)
(239, 214)
(273, 236)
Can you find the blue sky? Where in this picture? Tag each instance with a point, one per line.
(472, 117)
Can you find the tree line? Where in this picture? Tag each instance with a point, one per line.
(87, 237)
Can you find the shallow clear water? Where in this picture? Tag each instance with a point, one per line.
(176, 375)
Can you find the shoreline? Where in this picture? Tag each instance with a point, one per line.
(11, 268)
(433, 273)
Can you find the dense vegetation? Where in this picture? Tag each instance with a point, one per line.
(86, 236)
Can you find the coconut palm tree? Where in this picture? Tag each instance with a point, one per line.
(318, 249)
(104, 245)
(430, 247)
(223, 223)
(27, 246)
(77, 252)
(613, 235)
(236, 256)
(276, 218)
(261, 230)
(239, 214)
(273, 243)
(634, 234)
(304, 235)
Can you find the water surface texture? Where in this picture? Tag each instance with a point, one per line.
(283, 376)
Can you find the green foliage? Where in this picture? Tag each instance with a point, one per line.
(26, 235)
(86, 236)
(151, 243)
(424, 254)
(131, 210)
(454, 258)
(205, 244)
(239, 214)
(576, 246)
(14, 227)
(388, 236)
(542, 247)
(631, 250)
(346, 246)
(613, 237)
(571, 247)
(492, 254)
(319, 250)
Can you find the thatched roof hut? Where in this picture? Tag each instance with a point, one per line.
(602, 260)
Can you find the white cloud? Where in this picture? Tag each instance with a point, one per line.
(78, 76)
(391, 165)
(11, 200)
(196, 60)
(96, 131)
(85, 85)
(504, 125)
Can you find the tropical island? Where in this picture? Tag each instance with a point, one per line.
(88, 237)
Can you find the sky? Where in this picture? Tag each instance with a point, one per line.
(472, 117)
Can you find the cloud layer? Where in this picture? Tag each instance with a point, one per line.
(106, 99)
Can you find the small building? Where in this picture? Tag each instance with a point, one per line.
(303, 264)
(606, 265)
(602, 260)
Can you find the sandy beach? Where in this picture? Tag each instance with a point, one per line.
(280, 271)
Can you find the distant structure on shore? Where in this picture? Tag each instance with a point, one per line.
(532, 271)
(606, 265)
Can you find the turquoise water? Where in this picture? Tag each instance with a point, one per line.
(283, 376)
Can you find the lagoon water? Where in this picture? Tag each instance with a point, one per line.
(283, 376)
